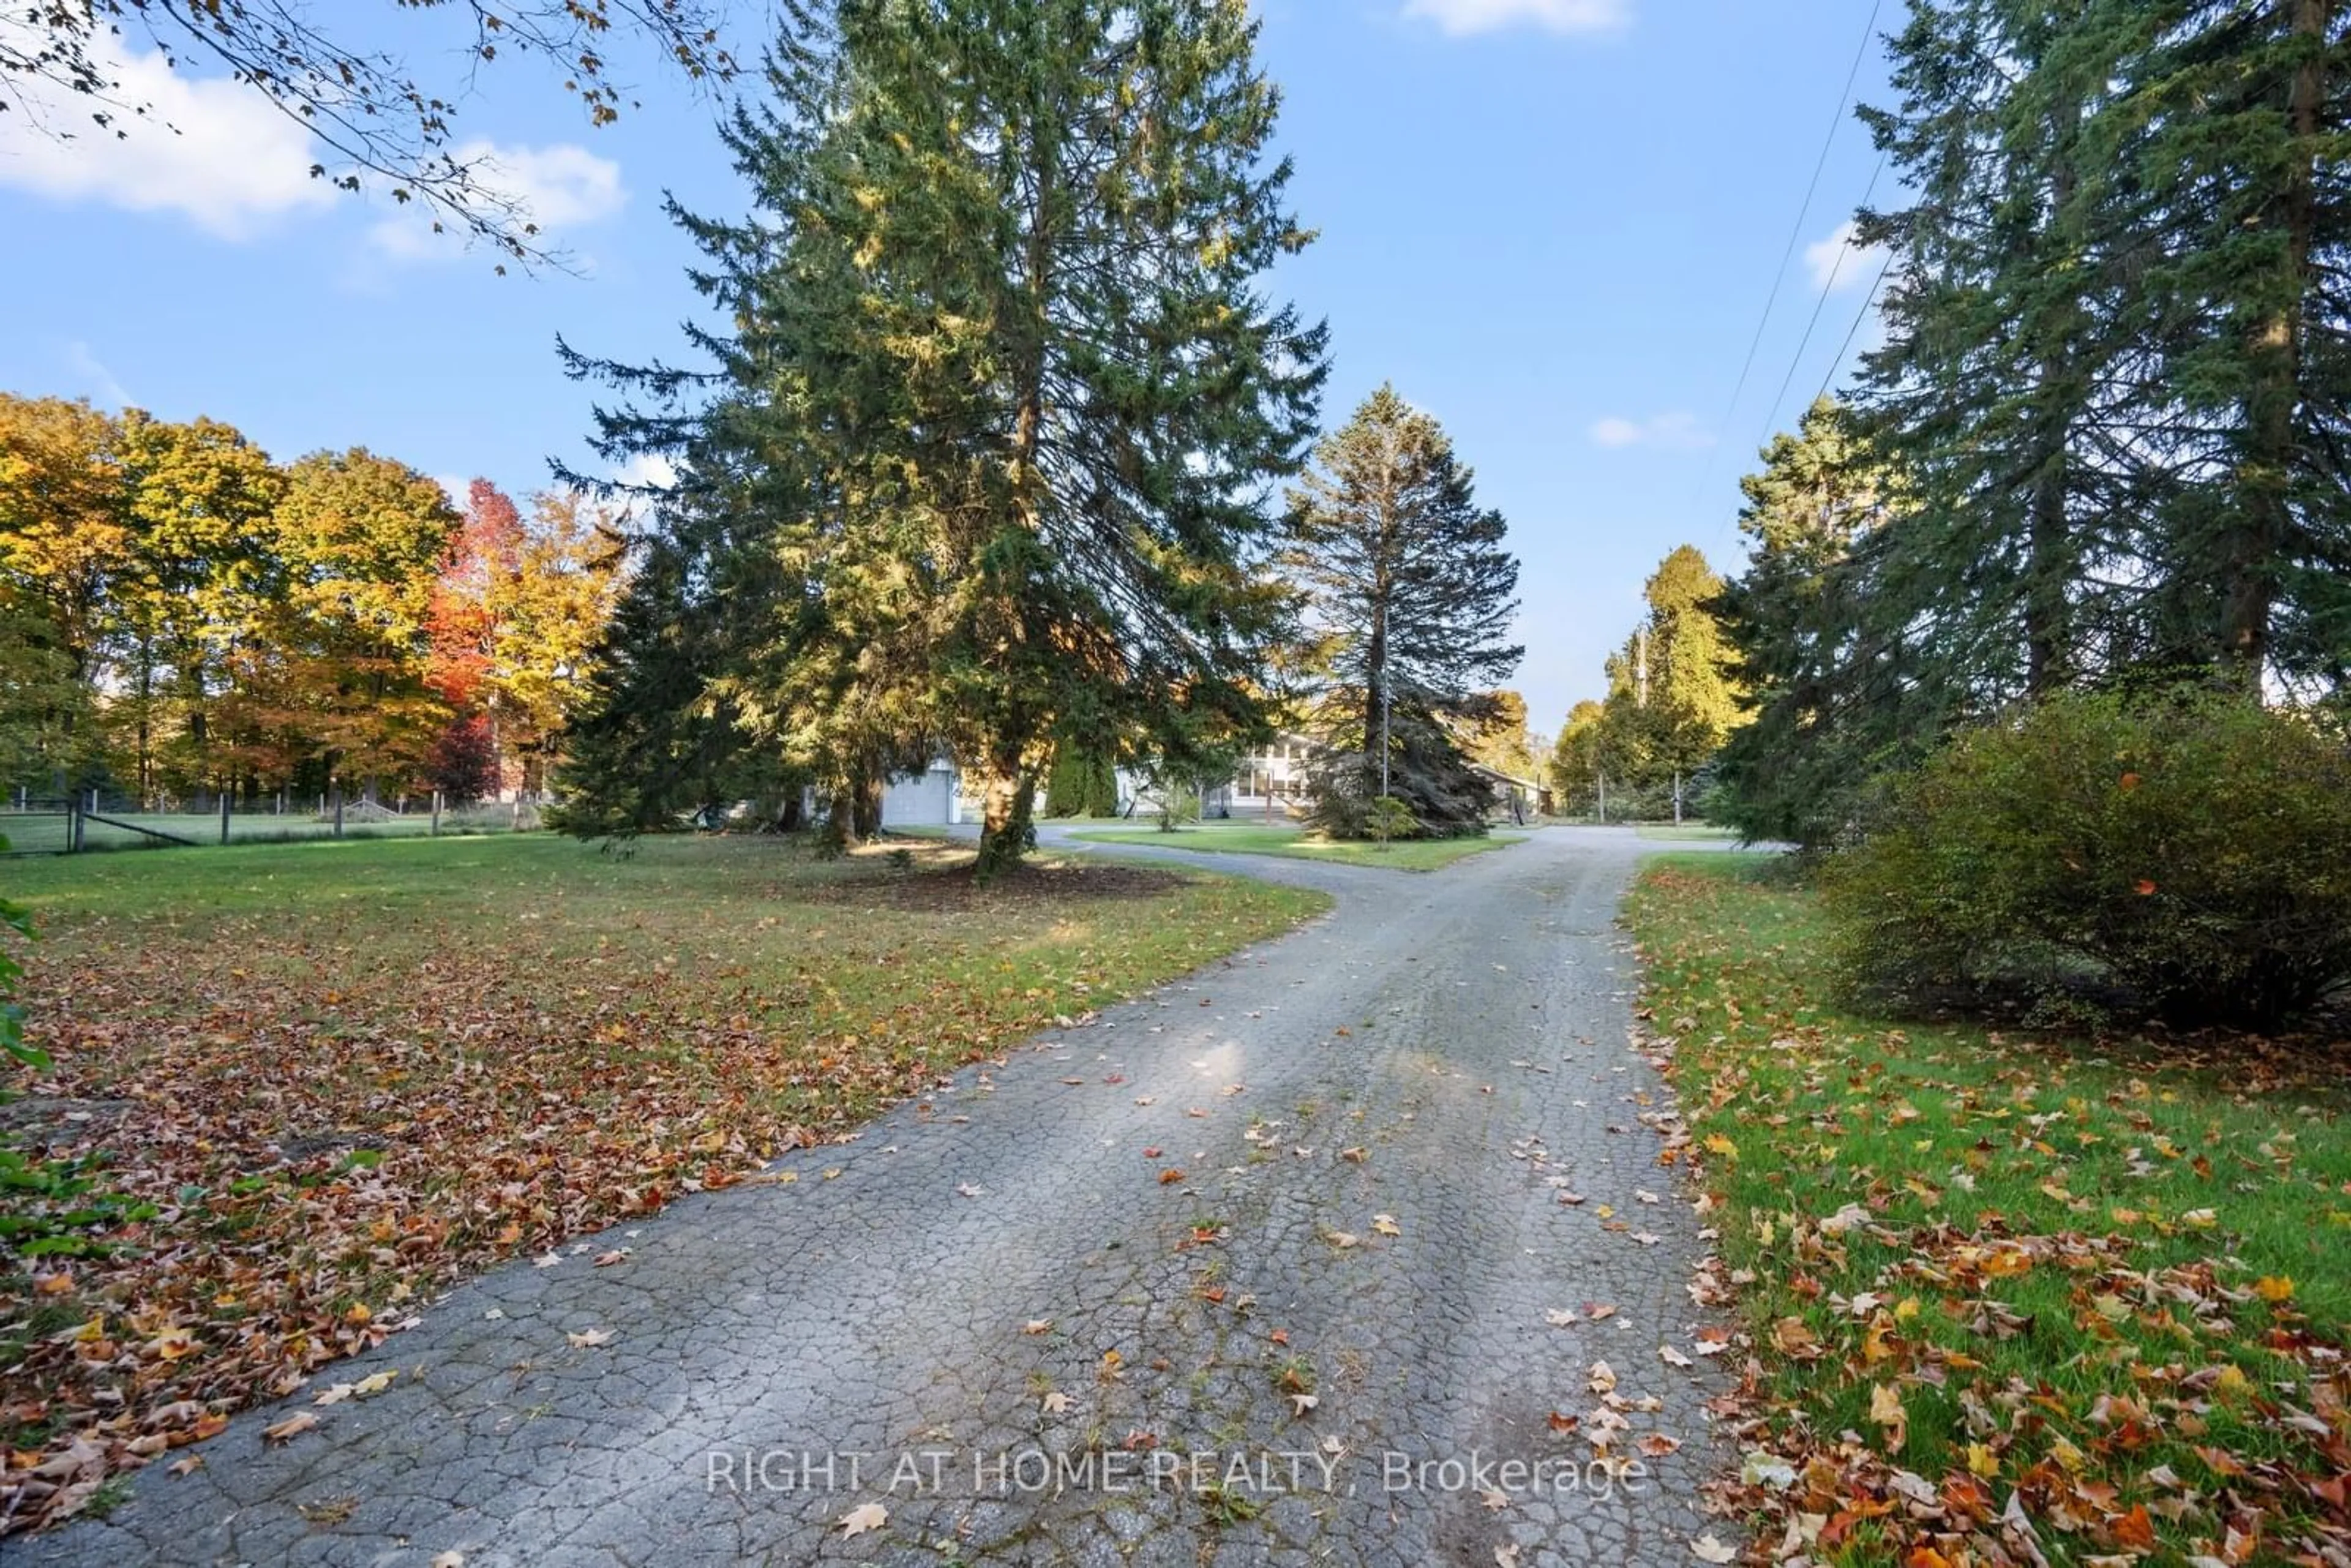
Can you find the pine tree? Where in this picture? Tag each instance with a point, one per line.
(1001, 388)
(1999, 391)
(2239, 114)
(1832, 694)
(1409, 593)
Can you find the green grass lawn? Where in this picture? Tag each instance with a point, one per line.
(340, 1076)
(2108, 1280)
(1685, 833)
(1274, 839)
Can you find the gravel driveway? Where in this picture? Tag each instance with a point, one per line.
(1307, 1258)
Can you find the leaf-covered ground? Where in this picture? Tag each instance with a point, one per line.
(2006, 1300)
(344, 1076)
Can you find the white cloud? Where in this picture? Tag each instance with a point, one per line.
(1462, 17)
(93, 377)
(557, 188)
(649, 469)
(1836, 264)
(208, 148)
(1674, 431)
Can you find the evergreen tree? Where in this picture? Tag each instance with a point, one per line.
(1999, 391)
(1831, 695)
(1000, 387)
(2238, 117)
(1409, 593)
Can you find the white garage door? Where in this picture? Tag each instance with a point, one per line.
(920, 801)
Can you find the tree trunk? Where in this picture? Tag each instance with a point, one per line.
(1007, 828)
(2265, 474)
(840, 817)
(865, 809)
(2048, 636)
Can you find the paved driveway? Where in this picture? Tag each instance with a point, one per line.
(1359, 1326)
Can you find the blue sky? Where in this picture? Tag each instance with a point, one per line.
(1550, 222)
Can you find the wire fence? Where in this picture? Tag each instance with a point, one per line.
(92, 820)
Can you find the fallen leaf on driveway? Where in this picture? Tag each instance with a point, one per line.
(1496, 1500)
(1385, 1225)
(1342, 1238)
(1057, 1403)
(590, 1338)
(188, 1466)
(970, 1189)
(1560, 1318)
(1596, 1311)
(450, 1560)
(1356, 1155)
(1673, 1357)
(1304, 1402)
(1657, 1444)
(1604, 1378)
(617, 1255)
(291, 1428)
(865, 1516)
(1707, 1549)
(1037, 1325)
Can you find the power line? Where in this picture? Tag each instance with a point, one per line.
(1811, 189)
(1828, 287)
(1854, 331)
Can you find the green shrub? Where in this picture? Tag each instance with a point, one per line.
(2186, 855)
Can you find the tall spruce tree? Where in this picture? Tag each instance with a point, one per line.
(1409, 595)
(2238, 115)
(999, 382)
(1832, 694)
(1999, 390)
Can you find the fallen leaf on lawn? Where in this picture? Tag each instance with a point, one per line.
(865, 1516)
(588, 1339)
(291, 1428)
(2274, 1288)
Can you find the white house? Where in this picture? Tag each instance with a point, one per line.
(1268, 784)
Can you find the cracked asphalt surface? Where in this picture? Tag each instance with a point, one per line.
(1342, 1334)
